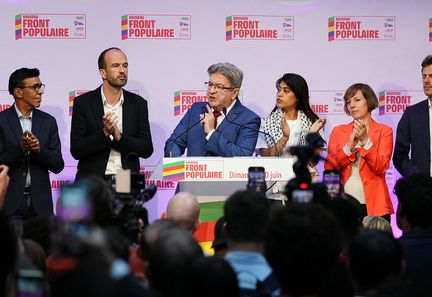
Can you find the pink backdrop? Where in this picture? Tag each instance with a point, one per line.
(170, 44)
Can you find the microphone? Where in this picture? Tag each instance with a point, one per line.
(224, 111)
(204, 110)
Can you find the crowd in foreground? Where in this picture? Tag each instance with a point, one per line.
(321, 248)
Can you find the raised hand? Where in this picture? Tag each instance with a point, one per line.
(284, 127)
(110, 121)
(353, 140)
(23, 141)
(208, 120)
(33, 143)
(317, 125)
(361, 131)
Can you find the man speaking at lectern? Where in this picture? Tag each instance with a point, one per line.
(223, 126)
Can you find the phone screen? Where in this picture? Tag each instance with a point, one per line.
(75, 205)
(256, 179)
(331, 179)
(302, 195)
(30, 283)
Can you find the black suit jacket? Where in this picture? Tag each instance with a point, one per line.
(413, 135)
(44, 126)
(91, 147)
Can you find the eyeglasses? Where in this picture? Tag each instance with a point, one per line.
(37, 87)
(210, 85)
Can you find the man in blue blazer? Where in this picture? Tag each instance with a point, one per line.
(30, 146)
(204, 130)
(414, 133)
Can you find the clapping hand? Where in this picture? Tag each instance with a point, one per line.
(29, 142)
(358, 135)
(284, 127)
(110, 121)
(317, 125)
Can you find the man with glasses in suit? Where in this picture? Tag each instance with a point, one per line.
(30, 147)
(227, 129)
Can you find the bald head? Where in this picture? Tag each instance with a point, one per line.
(183, 208)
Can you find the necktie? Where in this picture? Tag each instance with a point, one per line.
(216, 114)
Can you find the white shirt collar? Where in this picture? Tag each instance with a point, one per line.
(105, 102)
(228, 108)
(231, 106)
(20, 114)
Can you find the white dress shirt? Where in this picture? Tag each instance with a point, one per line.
(114, 161)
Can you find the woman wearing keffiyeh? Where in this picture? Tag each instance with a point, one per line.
(290, 121)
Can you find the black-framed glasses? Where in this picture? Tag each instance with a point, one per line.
(218, 87)
(37, 87)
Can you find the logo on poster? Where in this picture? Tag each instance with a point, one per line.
(183, 100)
(430, 30)
(204, 170)
(72, 95)
(4, 100)
(321, 103)
(393, 101)
(390, 176)
(250, 27)
(76, 93)
(56, 184)
(50, 26)
(320, 108)
(4, 106)
(361, 28)
(155, 26)
(160, 184)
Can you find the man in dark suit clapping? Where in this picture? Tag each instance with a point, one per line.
(109, 123)
(30, 147)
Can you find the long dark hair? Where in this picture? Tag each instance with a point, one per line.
(299, 87)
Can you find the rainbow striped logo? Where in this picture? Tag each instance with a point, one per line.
(124, 27)
(331, 29)
(72, 95)
(430, 30)
(229, 28)
(177, 103)
(381, 103)
(174, 171)
(18, 26)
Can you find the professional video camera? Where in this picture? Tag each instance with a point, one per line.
(301, 188)
(130, 194)
(129, 209)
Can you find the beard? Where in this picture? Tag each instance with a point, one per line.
(115, 82)
(427, 90)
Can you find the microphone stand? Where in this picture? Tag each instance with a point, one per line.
(224, 111)
(183, 133)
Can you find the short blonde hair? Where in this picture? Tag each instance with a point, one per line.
(376, 223)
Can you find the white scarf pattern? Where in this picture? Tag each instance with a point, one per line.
(273, 122)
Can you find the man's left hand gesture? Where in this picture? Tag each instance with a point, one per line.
(32, 142)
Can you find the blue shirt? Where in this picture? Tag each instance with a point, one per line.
(249, 267)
